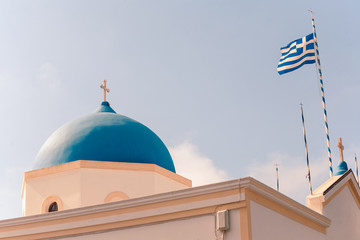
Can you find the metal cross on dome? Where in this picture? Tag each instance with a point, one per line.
(103, 86)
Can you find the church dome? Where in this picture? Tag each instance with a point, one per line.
(104, 136)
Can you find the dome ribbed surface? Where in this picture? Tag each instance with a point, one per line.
(342, 168)
(104, 136)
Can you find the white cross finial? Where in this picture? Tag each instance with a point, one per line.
(103, 86)
(312, 12)
(341, 149)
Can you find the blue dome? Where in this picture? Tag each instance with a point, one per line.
(104, 136)
(341, 169)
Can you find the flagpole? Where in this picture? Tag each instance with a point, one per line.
(277, 176)
(357, 169)
(322, 93)
(306, 149)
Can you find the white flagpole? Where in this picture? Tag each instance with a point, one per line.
(357, 169)
(277, 177)
(322, 93)
(306, 149)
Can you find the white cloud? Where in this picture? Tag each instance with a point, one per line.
(190, 163)
(292, 174)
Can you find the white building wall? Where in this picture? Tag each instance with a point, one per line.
(98, 183)
(162, 184)
(66, 185)
(268, 224)
(89, 186)
(345, 216)
(194, 228)
(186, 214)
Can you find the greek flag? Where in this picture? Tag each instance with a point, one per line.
(296, 54)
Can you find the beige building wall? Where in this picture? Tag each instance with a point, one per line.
(343, 210)
(85, 183)
(269, 224)
(64, 187)
(339, 200)
(173, 215)
(256, 212)
(193, 228)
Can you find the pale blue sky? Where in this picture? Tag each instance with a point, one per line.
(198, 72)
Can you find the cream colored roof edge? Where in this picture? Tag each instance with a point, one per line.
(241, 183)
(334, 188)
(89, 164)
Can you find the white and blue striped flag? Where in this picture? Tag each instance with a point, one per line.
(296, 54)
